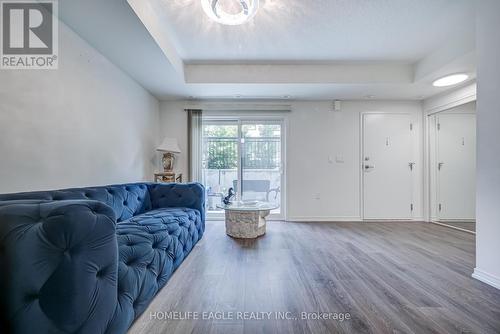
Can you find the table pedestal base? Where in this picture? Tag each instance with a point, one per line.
(246, 224)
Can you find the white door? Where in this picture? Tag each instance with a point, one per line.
(387, 166)
(456, 164)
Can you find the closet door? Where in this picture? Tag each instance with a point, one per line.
(456, 164)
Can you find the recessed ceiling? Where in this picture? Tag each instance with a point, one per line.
(343, 49)
(317, 30)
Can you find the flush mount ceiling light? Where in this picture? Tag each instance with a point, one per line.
(230, 12)
(450, 80)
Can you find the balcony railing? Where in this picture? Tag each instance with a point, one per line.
(257, 153)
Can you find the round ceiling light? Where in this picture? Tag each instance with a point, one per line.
(230, 12)
(450, 80)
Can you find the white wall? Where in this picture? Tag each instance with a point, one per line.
(488, 158)
(316, 133)
(86, 123)
(174, 123)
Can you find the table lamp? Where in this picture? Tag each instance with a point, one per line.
(169, 147)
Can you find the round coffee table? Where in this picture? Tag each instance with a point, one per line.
(247, 219)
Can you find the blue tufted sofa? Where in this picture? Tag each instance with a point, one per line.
(90, 260)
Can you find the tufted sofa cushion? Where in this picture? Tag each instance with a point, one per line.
(151, 246)
(178, 195)
(92, 264)
(126, 200)
(44, 248)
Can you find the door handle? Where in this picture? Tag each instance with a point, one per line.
(440, 165)
(367, 167)
(411, 164)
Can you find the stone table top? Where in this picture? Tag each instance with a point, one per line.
(248, 206)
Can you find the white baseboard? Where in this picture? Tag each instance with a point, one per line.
(486, 278)
(452, 227)
(457, 220)
(324, 219)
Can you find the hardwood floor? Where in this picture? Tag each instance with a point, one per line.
(389, 277)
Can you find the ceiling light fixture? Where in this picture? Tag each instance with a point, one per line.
(450, 80)
(230, 12)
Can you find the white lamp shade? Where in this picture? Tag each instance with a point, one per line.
(169, 145)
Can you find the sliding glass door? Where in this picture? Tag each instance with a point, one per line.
(245, 155)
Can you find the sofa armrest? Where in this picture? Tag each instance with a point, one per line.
(59, 264)
(186, 195)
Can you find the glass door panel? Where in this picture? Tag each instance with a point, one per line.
(261, 162)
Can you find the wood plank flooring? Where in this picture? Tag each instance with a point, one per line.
(389, 277)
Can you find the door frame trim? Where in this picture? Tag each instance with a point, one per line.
(361, 161)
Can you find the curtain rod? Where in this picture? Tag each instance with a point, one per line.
(246, 107)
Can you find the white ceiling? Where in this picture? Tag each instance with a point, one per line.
(318, 30)
(173, 50)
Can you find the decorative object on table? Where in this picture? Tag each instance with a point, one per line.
(168, 177)
(245, 219)
(230, 194)
(169, 147)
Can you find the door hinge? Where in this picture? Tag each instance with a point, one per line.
(411, 126)
(439, 126)
(411, 207)
(440, 207)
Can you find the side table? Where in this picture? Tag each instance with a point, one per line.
(168, 177)
(247, 220)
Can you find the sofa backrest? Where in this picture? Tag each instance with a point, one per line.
(126, 200)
